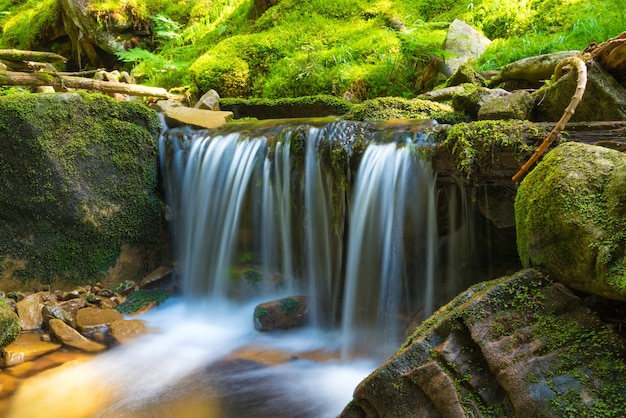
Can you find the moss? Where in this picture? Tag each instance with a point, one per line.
(306, 106)
(80, 180)
(138, 299)
(288, 306)
(260, 312)
(477, 147)
(9, 324)
(390, 108)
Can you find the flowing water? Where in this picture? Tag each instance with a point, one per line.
(347, 214)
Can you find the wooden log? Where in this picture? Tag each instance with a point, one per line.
(10, 78)
(19, 55)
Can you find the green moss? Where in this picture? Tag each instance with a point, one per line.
(477, 146)
(260, 312)
(9, 324)
(306, 106)
(288, 306)
(390, 108)
(142, 298)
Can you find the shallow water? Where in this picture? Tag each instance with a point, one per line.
(200, 362)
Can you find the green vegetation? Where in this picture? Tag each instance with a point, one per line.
(141, 298)
(292, 48)
(9, 324)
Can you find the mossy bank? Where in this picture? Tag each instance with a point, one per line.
(78, 190)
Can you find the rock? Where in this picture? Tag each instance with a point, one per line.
(533, 69)
(474, 98)
(9, 324)
(29, 310)
(69, 336)
(464, 43)
(26, 347)
(517, 105)
(161, 277)
(209, 101)
(465, 74)
(79, 189)
(516, 346)
(65, 311)
(604, 98)
(93, 319)
(281, 314)
(180, 115)
(571, 218)
(125, 330)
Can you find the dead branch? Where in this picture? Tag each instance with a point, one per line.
(581, 67)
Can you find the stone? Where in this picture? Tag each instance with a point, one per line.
(93, 319)
(26, 347)
(209, 101)
(281, 314)
(514, 346)
(465, 74)
(180, 116)
(161, 277)
(9, 324)
(126, 330)
(517, 105)
(69, 336)
(570, 215)
(473, 98)
(604, 98)
(533, 69)
(57, 312)
(464, 43)
(30, 313)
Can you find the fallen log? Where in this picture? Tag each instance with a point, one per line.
(11, 78)
(19, 55)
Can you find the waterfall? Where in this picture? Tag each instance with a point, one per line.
(270, 212)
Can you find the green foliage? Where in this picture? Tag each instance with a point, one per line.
(142, 298)
(24, 26)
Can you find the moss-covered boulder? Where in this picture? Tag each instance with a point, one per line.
(517, 346)
(571, 218)
(389, 108)
(604, 98)
(78, 190)
(9, 324)
(295, 107)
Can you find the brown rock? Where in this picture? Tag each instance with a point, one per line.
(158, 277)
(124, 331)
(69, 336)
(281, 314)
(26, 347)
(93, 319)
(29, 310)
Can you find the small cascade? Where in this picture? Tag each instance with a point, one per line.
(293, 209)
(391, 255)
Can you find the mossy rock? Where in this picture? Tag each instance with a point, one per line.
(391, 108)
(571, 218)
(520, 346)
(9, 324)
(78, 190)
(297, 107)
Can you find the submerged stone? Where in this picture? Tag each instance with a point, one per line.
(26, 347)
(571, 218)
(69, 336)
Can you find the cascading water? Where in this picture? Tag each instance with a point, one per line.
(344, 213)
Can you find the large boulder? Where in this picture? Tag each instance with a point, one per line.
(571, 218)
(79, 195)
(516, 346)
(463, 42)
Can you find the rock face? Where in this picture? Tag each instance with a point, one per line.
(571, 218)
(78, 190)
(517, 346)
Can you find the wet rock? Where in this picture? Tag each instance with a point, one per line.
(9, 324)
(281, 314)
(161, 277)
(604, 98)
(26, 347)
(515, 346)
(124, 331)
(57, 312)
(571, 218)
(69, 336)
(93, 319)
(464, 42)
(473, 98)
(29, 310)
(517, 105)
(180, 116)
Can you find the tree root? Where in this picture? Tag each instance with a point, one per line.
(581, 67)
